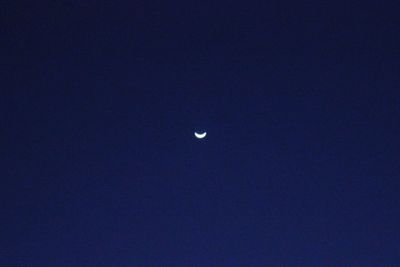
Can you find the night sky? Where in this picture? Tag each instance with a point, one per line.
(99, 102)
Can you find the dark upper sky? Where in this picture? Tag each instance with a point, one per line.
(98, 106)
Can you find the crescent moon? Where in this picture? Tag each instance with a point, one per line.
(200, 135)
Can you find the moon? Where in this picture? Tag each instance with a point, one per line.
(200, 135)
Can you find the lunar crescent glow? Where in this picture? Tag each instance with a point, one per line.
(200, 135)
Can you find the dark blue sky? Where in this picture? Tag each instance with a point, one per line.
(98, 106)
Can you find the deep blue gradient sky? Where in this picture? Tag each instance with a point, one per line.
(98, 106)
